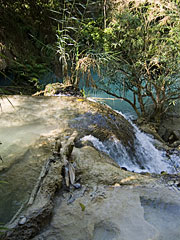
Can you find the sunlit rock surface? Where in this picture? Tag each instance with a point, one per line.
(111, 214)
(29, 126)
(112, 203)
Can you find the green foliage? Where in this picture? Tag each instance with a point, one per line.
(3, 182)
(28, 32)
(2, 229)
(145, 40)
(83, 92)
(135, 48)
(30, 72)
(78, 33)
(92, 34)
(83, 207)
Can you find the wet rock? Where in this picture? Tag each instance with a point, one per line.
(22, 220)
(60, 89)
(177, 134)
(111, 214)
(169, 128)
(162, 210)
(108, 204)
(103, 123)
(77, 185)
(29, 130)
(176, 144)
(37, 212)
(94, 168)
(151, 129)
(111, 206)
(124, 168)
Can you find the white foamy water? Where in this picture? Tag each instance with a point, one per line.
(151, 158)
(145, 158)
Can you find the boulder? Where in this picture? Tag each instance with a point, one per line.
(53, 89)
(94, 168)
(103, 202)
(37, 211)
(29, 126)
(113, 204)
(81, 193)
(169, 129)
(108, 214)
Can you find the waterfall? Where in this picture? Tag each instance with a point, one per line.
(146, 158)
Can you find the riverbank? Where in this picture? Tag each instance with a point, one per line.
(91, 175)
(102, 201)
(166, 131)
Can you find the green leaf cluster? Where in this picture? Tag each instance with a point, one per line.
(144, 37)
(78, 33)
(28, 32)
(134, 47)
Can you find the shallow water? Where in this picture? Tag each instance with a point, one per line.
(27, 131)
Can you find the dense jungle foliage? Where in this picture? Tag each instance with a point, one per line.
(132, 46)
(30, 37)
(145, 40)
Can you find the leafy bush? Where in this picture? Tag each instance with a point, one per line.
(145, 41)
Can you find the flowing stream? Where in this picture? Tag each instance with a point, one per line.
(27, 132)
(146, 158)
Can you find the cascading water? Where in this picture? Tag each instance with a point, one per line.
(145, 158)
(28, 129)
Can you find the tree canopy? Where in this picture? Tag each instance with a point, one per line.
(134, 46)
(144, 39)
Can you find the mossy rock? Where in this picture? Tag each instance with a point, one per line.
(60, 88)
